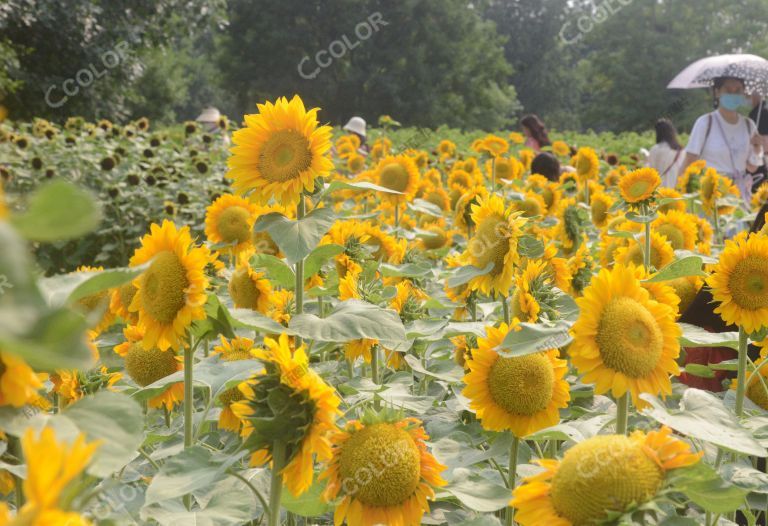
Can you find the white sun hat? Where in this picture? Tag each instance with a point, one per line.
(356, 125)
(209, 115)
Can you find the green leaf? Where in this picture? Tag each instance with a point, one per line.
(466, 273)
(530, 247)
(317, 258)
(535, 337)
(456, 454)
(746, 477)
(298, 238)
(308, 504)
(479, 494)
(115, 420)
(445, 370)
(256, 321)
(276, 270)
(638, 218)
(700, 370)
(425, 207)
(58, 211)
(68, 288)
(694, 336)
(703, 486)
(702, 415)
(362, 185)
(689, 266)
(409, 270)
(352, 320)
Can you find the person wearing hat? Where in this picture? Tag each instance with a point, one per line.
(759, 115)
(356, 125)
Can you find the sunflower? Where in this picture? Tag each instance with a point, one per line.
(3, 208)
(662, 253)
(300, 405)
(53, 470)
(531, 205)
(354, 237)
(624, 340)
(355, 163)
(238, 348)
(677, 202)
(534, 293)
(561, 148)
(229, 220)
(690, 181)
(436, 195)
(517, 137)
(434, 237)
(120, 300)
(600, 206)
(678, 227)
(95, 304)
(587, 164)
(715, 186)
(494, 241)
(18, 382)
(491, 145)
(757, 382)
(759, 197)
(462, 210)
(508, 169)
(383, 473)
(398, 173)
(526, 157)
(385, 246)
(67, 385)
(280, 152)
(354, 349)
(147, 366)
(171, 292)
(557, 267)
(522, 394)
(686, 288)
(462, 178)
(739, 282)
(639, 186)
(601, 476)
(446, 149)
(249, 289)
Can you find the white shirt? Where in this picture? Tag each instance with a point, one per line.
(667, 161)
(727, 148)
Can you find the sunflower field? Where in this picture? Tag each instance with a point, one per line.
(268, 323)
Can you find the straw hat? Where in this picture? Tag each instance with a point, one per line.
(356, 125)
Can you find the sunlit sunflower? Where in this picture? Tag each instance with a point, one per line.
(400, 474)
(639, 186)
(662, 253)
(757, 384)
(603, 475)
(54, 469)
(561, 148)
(434, 237)
(19, 385)
(280, 152)
(678, 227)
(170, 294)
(557, 267)
(497, 231)
(739, 282)
(238, 348)
(549, 191)
(599, 207)
(704, 234)
(302, 407)
(67, 385)
(229, 220)
(624, 340)
(491, 145)
(398, 173)
(522, 394)
(248, 288)
(587, 164)
(714, 188)
(147, 366)
(461, 178)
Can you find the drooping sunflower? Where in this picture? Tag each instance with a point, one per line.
(497, 231)
(302, 420)
(739, 282)
(437, 195)
(624, 341)
(398, 173)
(280, 152)
(600, 206)
(639, 186)
(170, 294)
(238, 348)
(248, 288)
(662, 253)
(690, 181)
(229, 220)
(521, 394)
(53, 468)
(19, 385)
(604, 474)
(587, 164)
(147, 366)
(383, 472)
(678, 227)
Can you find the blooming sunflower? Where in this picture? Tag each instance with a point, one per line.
(398, 173)
(526, 157)
(600, 206)
(3, 207)
(462, 211)
(383, 473)
(531, 205)
(355, 163)
(662, 253)
(95, 304)
(678, 227)
(446, 149)
(18, 382)
(587, 164)
(603, 474)
(229, 220)
(250, 289)
(238, 348)
(639, 186)
(759, 197)
(507, 169)
(534, 293)
(495, 241)
(756, 385)
(147, 366)
(739, 282)
(462, 178)
(522, 394)
(517, 137)
(280, 152)
(171, 292)
(300, 405)
(561, 148)
(624, 340)
(676, 200)
(120, 300)
(349, 289)
(52, 470)
(385, 246)
(491, 145)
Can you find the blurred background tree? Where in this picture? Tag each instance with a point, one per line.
(597, 64)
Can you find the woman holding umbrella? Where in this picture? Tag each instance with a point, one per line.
(725, 139)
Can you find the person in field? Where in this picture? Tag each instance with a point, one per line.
(666, 156)
(535, 132)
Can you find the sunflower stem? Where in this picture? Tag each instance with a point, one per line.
(189, 355)
(397, 218)
(622, 414)
(14, 448)
(741, 379)
(300, 211)
(716, 217)
(647, 250)
(276, 484)
(510, 517)
(505, 309)
(375, 373)
(493, 173)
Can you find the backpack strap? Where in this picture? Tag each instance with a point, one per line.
(706, 135)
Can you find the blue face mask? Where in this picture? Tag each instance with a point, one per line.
(732, 101)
